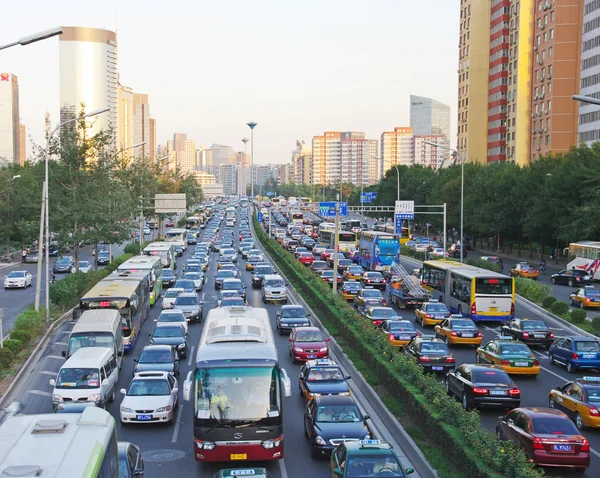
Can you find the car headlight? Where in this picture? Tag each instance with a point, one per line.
(323, 349)
(320, 441)
(127, 410)
(163, 409)
(57, 398)
(298, 349)
(310, 394)
(344, 393)
(181, 347)
(94, 397)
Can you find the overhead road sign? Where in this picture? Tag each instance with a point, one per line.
(405, 209)
(327, 209)
(165, 203)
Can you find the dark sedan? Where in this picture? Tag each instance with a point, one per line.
(259, 273)
(168, 278)
(291, 316)
(63, 265)
(318, 266)
(572, 278)
(103, 258)
(531, 332)
(157, 358)
(173, 335)
(373, 279)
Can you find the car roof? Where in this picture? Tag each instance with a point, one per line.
(482, 366)
(538, 412)
(292, 306)
(335, 400)
(150, 375)
(157, 347)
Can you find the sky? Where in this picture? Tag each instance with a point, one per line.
(297, 68)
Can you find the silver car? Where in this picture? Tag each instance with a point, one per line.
(274, 289)
(196, 277)
(190, 305)
(229, 253)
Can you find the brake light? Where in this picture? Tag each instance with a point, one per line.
(574, 355)
(368, 281)
(536, 363)
(383, 281)
(594, 412)
(479, 334)
(514, 392)
(473, 309)
(538, 444)
(425, 358)
(512, 309)
(391, 337)
(450, 360)
(428, 316)
(551, 335)
(480, 391)
(525, 335)
(587, 299)
(454, 334)
(418, 334)
(585, 445)
(505, 362)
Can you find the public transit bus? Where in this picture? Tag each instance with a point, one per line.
(377, 250)
(64, 445)
(236, 388)
(584, 256)
(151, 264)
(478, 294)
(391, 229)
(347, 241)
(164, 250)
(193, 221)
(130, 297)
(230, 213)
(177, 236)
(244, 202)
(297, 217)
(352, 225)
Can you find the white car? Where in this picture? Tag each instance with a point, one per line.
(169, 297)
(84, 266)
(173, 316)
(18, 279)
(154, 393)
(318, 249)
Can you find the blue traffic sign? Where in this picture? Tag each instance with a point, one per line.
(270, 194)
(260, 217)
(365, 197)
(399, 219)
(327, 209)
(374, 195)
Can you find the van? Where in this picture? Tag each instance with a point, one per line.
(97, 328)
(89, 375)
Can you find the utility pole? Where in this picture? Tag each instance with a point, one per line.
(336, 242)
(38, 284)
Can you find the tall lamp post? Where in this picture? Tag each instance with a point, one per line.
(23, 41)
(245, 141)
(45, 205)
(252, 125)
(462, 191)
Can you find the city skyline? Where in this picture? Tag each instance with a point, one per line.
(249, 80)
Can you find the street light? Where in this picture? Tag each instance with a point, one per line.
(245, 141)
(462, 190)
(45, 207)
(33, 38)
(252, 125)
(586, 99)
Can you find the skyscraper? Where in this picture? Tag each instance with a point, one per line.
(185, 152)
(428, 116)
(88, 74)
(397, 148)
(22, 144)
(10, 132)
(152, 138)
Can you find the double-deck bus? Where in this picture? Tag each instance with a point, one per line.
(584, 256)
(64, 445)
(347, 241)
(297, 217)
(177, 236)
(130, 297)
(236, 388)
(391, 229)
(476, 293)
(164, 250)
(150, 264)
(377, 250)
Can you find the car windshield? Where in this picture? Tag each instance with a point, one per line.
(401, 327)
(168, 332)
(293, 312)
(228, 252)
(325, 373)
(144, 388)
(274, 283)
(355, 270)
(184, 284)
(156, 356)
(491, 376)
(168, 274)
(372, 293)
(553, 426)
(534, 325)
(225, 274)
(515, 349)
(309, 336)
(192, 268)
(437, 308)
(172, 293)
(16, 274)
(433, 348)
(171, 317)
(103, 254)
(83, 264)
(232, 302)
(380, 313)
(234, 285)
(78, 378)
(263, 270)
(352, 285)
(587, 346)
(192, 276)
(319, 264)
(463, 324)
(63, 261)
(374, 275)
(374, 465)
(330, 414)
(591, 293)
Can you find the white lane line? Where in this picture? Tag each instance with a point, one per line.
(282, 468)
(191, 355)
(58, 357)
(202, 299)
(60, 343)
(39, 392)
(177, 424)
(48, 372)
(595, 452)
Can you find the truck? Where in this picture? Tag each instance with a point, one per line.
(405, 290)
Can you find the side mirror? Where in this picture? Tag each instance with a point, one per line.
(123, 391)
(135, 360)
(510, 421)
(309, 314)
(327, 339)
(409, 471)
(347, 377)
(64, 353)
(155, 320)
(149, 334)
(367, 417)
(338, 472)
(105, 382)
(175, 390)
(52, 382)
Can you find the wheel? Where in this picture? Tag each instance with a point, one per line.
(465, 402)
(551, 359)
(579, 422)
(570, 283)
(447, 387)
(551, 404)
(553, 280)
(570, 367)
(113, 395)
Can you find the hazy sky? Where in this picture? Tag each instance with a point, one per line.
(297, 68)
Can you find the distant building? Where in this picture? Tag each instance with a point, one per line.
(212, 190)
(10, 131)
(203, 178)
(22, 144)
(262, 174)
(152, 138)
(430, 117)
(427, 155)
(284, 173)
(397, 148)
(228, 178)
(589, 115)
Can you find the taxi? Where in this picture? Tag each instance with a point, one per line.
(349, 290)
(580, 400)
(222, 261)
(236, 472)
(510, 354)
(523, 269)
(585, 297)
(458, 330)
(431, 313)
(322, 377)
(353, 273)
(399, 332)
(253, 260)
(366, 458)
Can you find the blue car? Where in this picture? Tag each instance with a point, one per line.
(575, 352)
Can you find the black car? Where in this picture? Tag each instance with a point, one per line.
(259, 273)
(131, 463)
(291, 316)
(221, 276)
(373, 279)
(63, 265)
(572, 278)
(178, 250)
(480, 385)
(53, 250)
(168, 278)
(157, 358)
(309, 243)
(430, 353)
(529, 331)
(343, 264)
(329, 418)
(103, 258)
(318, 266)
(173, 335)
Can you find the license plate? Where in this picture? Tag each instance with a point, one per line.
(497, 392)
(238, 456)
(589, 356)
(311, 356)
(144, 417)
(562, 448)
(437, 368)
(493, 309)
(539, 336)
(404, 337)
(521, 364)
(468, 335)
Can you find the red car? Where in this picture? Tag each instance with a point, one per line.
(307, 343)
(326, 253)
(547, 436)
(306, 258)
(169, 223)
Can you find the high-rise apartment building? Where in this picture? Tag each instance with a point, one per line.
(262, 174)
(589, 115)
(203, 178)
(430, 117)
(327, 155)
(10, 132)
(302, 166)
(88, 75)
(427, 155)
(152, 138)
(22, 144)
(397, 148)
(243, 173)
(184, 150)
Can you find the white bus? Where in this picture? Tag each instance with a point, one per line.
(584, 256)
(82, 445)
(177, 236)
(244, 202)
(297, 217)
(347, 241)
(230, 213)
(164, 250)
(476, 293)
(154, 265)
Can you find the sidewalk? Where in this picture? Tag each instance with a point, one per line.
(6, 265)
(511, 259)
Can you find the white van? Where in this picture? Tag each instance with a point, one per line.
(97, 328)
(89, 375)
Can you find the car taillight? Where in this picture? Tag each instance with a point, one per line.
(418, 334)
(512, 309)
(425, 358)
(505, 362)
(577, 278)
(551, 335)
(384, 302)
(368, 281)
(525, 335)
(391, 337)
(514, 392)
(454, 334)
(450, 360)
(383, 281)
(479, 334)
(480, 391)
(428, 316)
(585, 445)
(587, 299)
(473, 309)
(536, 363)
(574, 355)
(594, 412)
(538, 444)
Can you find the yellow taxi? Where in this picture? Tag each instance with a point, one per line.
(585, 297)
(580, 400)
(349, 290)
(523, 269)
(399, 332)
(510, 354)
(431, 313)
(353, 273)
(252, 261)
(458, 330)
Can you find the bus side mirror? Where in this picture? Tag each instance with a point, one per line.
(285, 383)
(338, 472)
(76, 313)
(187, 387)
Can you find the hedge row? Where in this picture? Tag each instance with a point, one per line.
(457, 433)
(28, 326)
(134, 248)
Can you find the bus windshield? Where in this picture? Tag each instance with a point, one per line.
(246, 394)
(90, 339)
(493, 286)
(347, 237)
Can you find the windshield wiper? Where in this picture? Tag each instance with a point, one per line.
(220, 424)
(247, 423)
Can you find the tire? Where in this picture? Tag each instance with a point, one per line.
(553, 280)
(113, 395)
(579, 422)
(551, 404)
(465, 402)
(570, 283)
(570, 367)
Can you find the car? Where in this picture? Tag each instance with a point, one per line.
(178, 250)
(494, 260)
(322, 377)
(523, 269)
(253, 260)
(331, 258)
(229, 253)
(151, 397)
(103, 258)
(353, 273)
(378, 314)
(190, 305)
(173, 316)
(157, 358)
(431, 313)
(575, 352)
(173, 335)
(368, 294)
(482, 385)
(458, 330)
(318, 249)
(546, 436)
(580, 400)
(329, 417)
(306, 258)
(234, 285)
(585, 297)
(168, 278)
(231, 267)
(309, 243)
(366, 458)
(291, 316)
(237, 472)
(328, 275)
(64, 264)
(274, 289)
(16, 279)
(84, 266)
(326, 253)
(349, 289)
(169, 223)
(343, 264)
(291, 245)
(510, 354)
(227, 294)
(169, 297)
(185, 284)
(236, 301)
(191, 239)
(131, 463)
(529, 331)
(373, 279)
(300, 250)
(196, 277)
(194, 267)
(259, 273)
(221, 276)
(318, 266)
(33, 257)
(430, 353)
(399, 332)
(572, 277)
(307, 343)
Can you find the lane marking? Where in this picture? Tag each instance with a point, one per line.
(48, 372)
(40, 392)
(191, 355)
(176, 429)
(57, 357)
(282, 468)
(60, 343)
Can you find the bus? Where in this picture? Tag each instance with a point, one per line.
(151, 264)
(244, 202)
(237, 356)
(130, 297)
(352, 225)
(193, 221)
(177, 236)
(478, 294)
(164, 250)
(391, 229)
(297, 217)
(377, 250)
(347, 241)
(584, 256)
(230, 213)
(68, 444)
